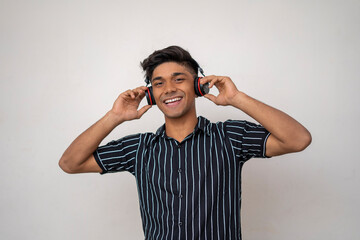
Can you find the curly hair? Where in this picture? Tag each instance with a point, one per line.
(169, 54)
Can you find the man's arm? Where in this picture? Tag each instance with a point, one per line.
(287, 135)
(78, 157)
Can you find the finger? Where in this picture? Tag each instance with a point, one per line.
(129, 93)
(143, 110)
(211, 97)
(143, 88)
(139, 93)
(212, 80)
(140, 89)
(125, 94)
(207, 79)
(220, 82)
(133, 94)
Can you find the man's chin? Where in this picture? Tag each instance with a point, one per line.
(175, 113)
(173, 116)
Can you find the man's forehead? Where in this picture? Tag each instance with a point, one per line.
(174, 74)
(169, 69)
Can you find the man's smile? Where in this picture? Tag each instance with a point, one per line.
(172, 101)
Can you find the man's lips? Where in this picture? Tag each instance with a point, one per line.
(172, 101)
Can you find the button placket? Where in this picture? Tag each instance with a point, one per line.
(181, 177)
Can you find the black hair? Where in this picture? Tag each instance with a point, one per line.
(169, 54)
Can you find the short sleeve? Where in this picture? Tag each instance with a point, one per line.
(248, 139)
(118, 155)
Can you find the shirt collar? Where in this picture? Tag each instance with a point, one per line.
(202, 125)
(161, 131)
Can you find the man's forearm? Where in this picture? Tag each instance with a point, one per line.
(86, 143)
(284, 128)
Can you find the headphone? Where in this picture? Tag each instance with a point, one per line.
(200, 89)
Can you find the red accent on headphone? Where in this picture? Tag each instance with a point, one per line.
(199, 87)
(149, 96)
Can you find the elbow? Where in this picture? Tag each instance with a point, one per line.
(307, 139)
(294, 143)
(303, 142)
(65, 166)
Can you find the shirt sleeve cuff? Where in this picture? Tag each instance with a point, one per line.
(98, 161)
(264, 148)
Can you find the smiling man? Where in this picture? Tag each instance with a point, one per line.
(189, 172)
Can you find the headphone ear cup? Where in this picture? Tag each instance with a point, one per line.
(200, 89)
(149, 96)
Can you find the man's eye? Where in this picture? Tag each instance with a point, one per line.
(157, 84)
(179, 79)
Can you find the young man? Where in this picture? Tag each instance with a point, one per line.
(189, 172)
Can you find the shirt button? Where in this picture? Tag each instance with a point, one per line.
(180, 223)
(179, 170)
(180, 196)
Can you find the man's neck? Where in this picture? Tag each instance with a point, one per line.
(180, 128)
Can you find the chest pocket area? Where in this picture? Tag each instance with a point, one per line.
(162, 170)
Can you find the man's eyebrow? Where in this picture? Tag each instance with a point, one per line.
(172, 75)
(177, 74)
(157, 78)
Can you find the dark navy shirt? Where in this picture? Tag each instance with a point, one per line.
(192, 189)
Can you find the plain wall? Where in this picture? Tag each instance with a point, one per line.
(63, 64)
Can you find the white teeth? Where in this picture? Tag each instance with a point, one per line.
(172, 100)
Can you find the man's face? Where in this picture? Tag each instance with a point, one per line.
(173, 90)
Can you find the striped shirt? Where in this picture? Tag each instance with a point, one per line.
(189, 189)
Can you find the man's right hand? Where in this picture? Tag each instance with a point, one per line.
(126, 106)
(78, 157)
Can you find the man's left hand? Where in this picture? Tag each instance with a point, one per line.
(226, 87)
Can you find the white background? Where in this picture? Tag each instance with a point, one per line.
(63, 63)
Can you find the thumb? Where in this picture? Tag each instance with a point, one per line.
(211, 97)
(143, 110)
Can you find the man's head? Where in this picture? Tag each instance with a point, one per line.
(171, 72)
(169, 54)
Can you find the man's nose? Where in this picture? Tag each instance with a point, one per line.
(170, 87)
